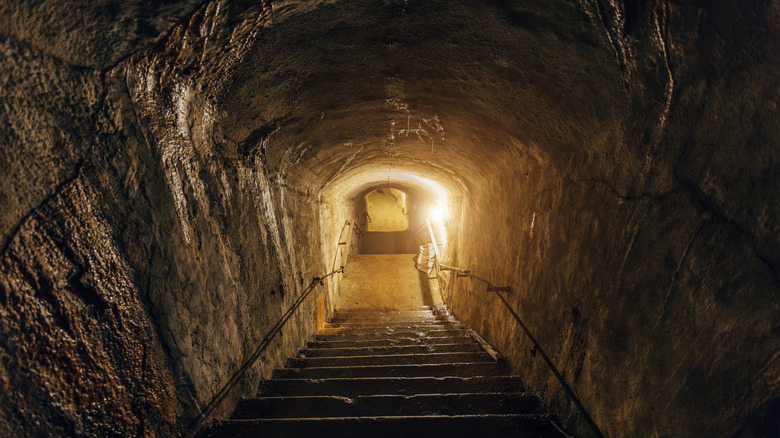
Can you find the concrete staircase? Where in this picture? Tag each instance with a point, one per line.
(390, 373)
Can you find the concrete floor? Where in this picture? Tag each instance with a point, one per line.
(386, 281)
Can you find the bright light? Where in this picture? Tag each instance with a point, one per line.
(436, 214)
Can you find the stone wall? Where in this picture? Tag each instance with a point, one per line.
(653, 289)
(144, 256)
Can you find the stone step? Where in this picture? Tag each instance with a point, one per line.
(450, 426)
(387, 330)
(388, 359)
(387, 405)
(406, 334)
(350, 387)
(377, 324)
(399, 349)
(372, 310)
(412, 370)
(406, 314)
(392, 342)
(395, 316)
(391, 324)
(390, 373)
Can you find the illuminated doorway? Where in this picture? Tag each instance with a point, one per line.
(386, 221)
(386, 210)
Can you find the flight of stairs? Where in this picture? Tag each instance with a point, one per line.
(390, 373)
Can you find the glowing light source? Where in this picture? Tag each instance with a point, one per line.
(437, 214)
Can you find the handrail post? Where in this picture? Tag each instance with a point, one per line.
(342, 254)
(338, 247)
(357, 228)
(347, 248)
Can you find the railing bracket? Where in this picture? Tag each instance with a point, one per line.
(491, 288)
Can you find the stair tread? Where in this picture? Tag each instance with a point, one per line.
(446, 369)
(325, 338)
(402, 365)
(400, 396)
(336, 330)
(394, 417)
(454, 426)
(433, 354)
(392, 322)
(390, 330)
(389, 359)
(381, 309)
(401, 317)
(386, 372)
(391, 336)
(412, 378)
(361, 351)
(351, 386)
(391, 342)
(387, 405)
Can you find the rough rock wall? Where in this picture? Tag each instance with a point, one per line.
(93, 34)
(651, 282)
(80, 354)
(139, 267)
(243, 241)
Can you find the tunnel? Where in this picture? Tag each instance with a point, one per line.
(175, 176)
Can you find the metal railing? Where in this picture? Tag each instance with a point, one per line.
(466, 273)
(196, 426)
(345, 243)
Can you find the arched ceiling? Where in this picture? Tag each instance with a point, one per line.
(357, 182)
(451, 91)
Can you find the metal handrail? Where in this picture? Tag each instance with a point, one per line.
(357, 227)
(466, 273)
(197, 424)
(202, 419)
(350, 225)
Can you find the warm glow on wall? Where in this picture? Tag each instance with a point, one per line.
(437, 214)
(430, 200)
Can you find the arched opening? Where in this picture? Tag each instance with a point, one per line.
(385, 219)
(386, 210)
(389, 247)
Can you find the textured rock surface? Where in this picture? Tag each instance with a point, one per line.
(79, 353)
(128, 304)
(95, 34)
(654, 288)
(175, 174)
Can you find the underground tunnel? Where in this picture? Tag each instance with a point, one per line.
(178, 175)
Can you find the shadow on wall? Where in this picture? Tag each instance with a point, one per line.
(387, 242)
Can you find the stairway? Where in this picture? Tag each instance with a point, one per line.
(390, 373)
